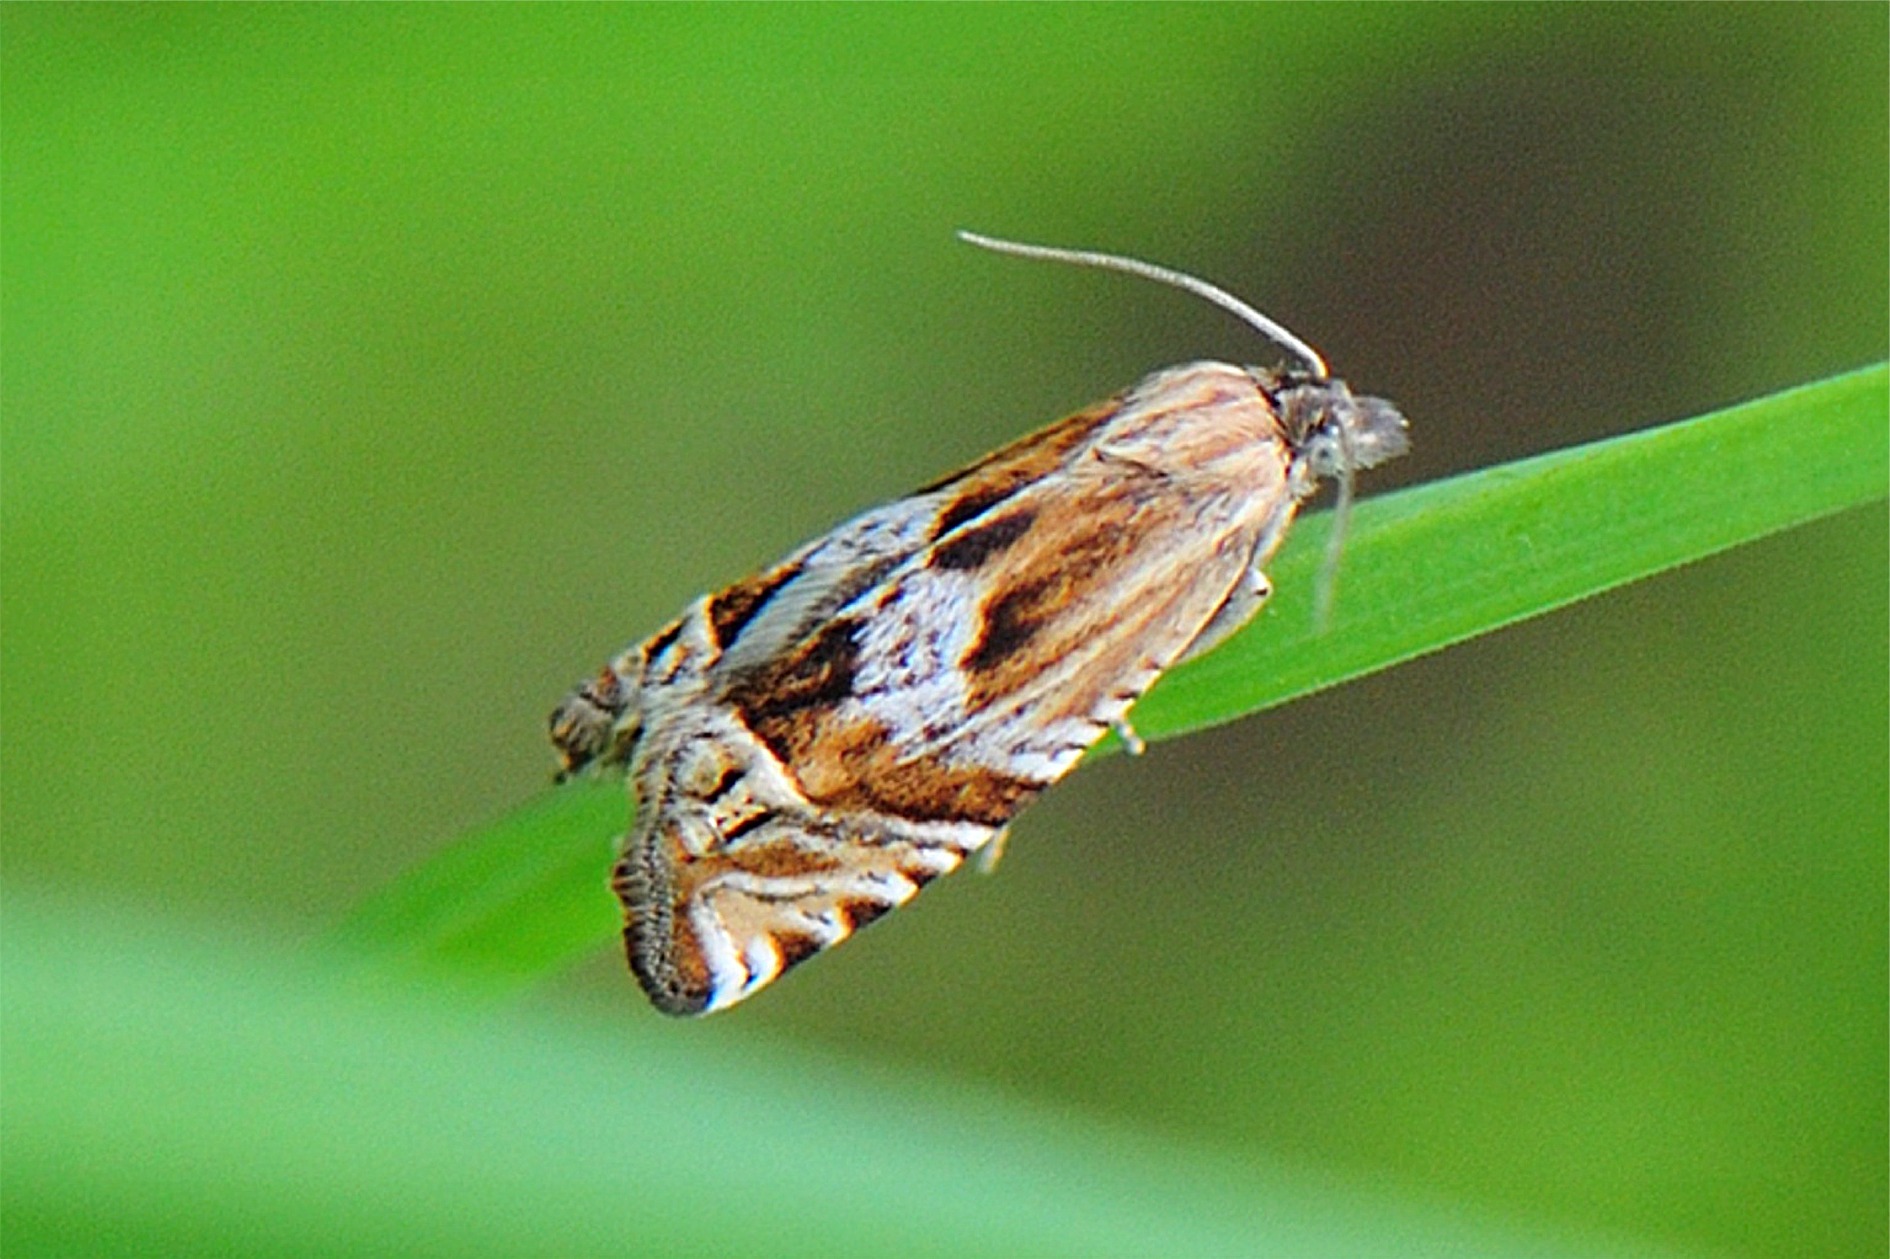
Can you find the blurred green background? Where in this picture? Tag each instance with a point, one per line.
(370, 374)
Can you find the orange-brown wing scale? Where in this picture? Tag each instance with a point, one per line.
(811, 746)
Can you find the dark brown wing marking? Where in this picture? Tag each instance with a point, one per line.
(817, 676)
(853, 766)
(924, 790)
(974, 545)
(1068, 560)
(732, 608)
(1010, 622)
(1000, 474)
(791, 706)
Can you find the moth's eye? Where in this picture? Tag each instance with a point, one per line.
(1325, 453)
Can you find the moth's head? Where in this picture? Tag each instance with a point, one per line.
(1333, 431)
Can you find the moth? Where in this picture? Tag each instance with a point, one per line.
(811, 746)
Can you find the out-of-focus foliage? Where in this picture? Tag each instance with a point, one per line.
(369, 374)
(271, 1111)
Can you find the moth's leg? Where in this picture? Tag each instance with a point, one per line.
(1249, 594)
(1130, 739)
(993, 851)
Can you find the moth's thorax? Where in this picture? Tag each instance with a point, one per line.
(1198, 423)
(1331, 430)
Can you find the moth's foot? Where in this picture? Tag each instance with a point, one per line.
(993, 851)
(1130, 739)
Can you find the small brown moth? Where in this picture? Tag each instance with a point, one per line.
(811, 746)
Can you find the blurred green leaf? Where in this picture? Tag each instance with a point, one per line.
(171, 1094)
(1424, 568)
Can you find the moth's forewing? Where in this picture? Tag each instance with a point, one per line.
(818, 742)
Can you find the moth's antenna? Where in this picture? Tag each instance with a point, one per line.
(1149, 271)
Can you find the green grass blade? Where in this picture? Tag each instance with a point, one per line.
(507, 903)
(1439, 563)
(170, 1094)
(1424, 568)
